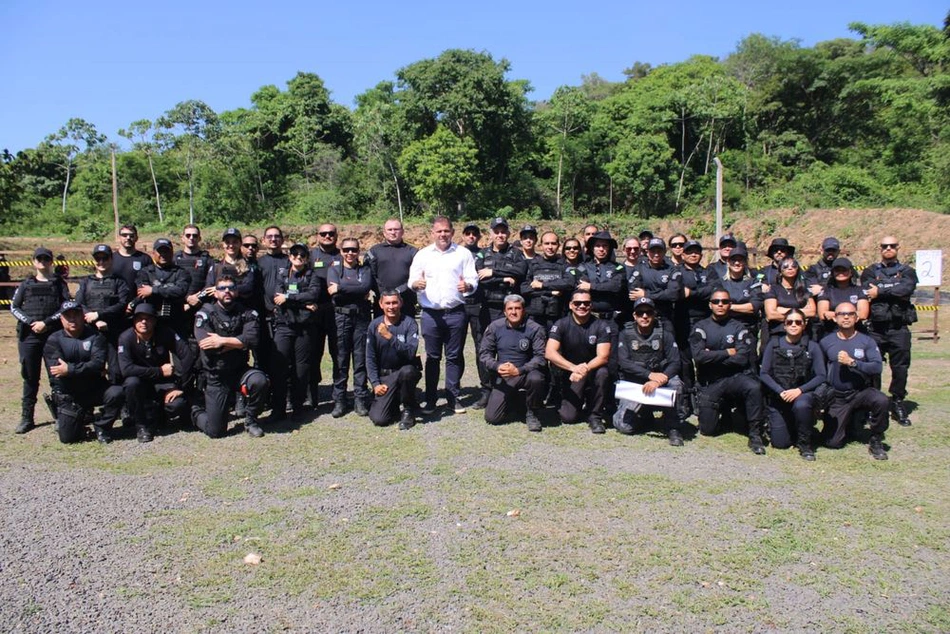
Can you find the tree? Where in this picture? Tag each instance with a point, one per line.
(196, 124)
(141, 134)
(441, 168)
(77, 136)
(565, 116)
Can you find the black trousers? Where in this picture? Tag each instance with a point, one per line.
(144, 399)
(590, 391)
(477, 327)
(742, 389)
(845, 404)
(30, 347)
(402, 391)
(351, 344)
(72, 407)
(506, 401)
(290, 365)
(894, 344)
(219, 390)
(791, 422)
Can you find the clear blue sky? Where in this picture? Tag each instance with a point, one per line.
(114, 62)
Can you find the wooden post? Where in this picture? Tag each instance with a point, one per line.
(936, 314)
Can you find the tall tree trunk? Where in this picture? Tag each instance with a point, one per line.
(158, 202)
(69, 170)
(560, 170)
(398, 194)
(115, 192)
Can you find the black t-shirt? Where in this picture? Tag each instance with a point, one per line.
(579, 341)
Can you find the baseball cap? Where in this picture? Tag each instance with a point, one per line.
(499, 221)
(70, 304)
(299, 248)
(656, 243)
(162, 243)
(472, 227)
(692, 244)
(644, 302)
(830, 243)
(42, 251)
(102, 249)
(231, 232)
(528, 229)
(841, 263)
(740, 249)
(726, 238)
(144, 309)
(645, 234)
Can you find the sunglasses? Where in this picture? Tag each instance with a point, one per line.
(43, 258)
(677, 245)
(572, 248)
(643, 313)
(794, 322)
(327, 234)
(719, 302)
(250, 245)
(192, 235)
(631, 248)
(889, 245)
(790, 267)
(225, 289)
(580, 304)
(102, 258)
(350, 250)
(846, 314)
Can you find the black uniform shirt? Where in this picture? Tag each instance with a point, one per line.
(237, 321)
(354, 284)
(556, 284)
(127, 267)
(144, 359)
(863, 350)
(108, 296)
(508, 263)
(708, 344)
(85, 355)
(272, 268)
(606, 284)
(390, 265)
(639, 355)
(196, 265)
(696, 306)
(579, 341)
(390, 354)
(522, 346)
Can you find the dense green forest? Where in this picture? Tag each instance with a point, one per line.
(848, 122)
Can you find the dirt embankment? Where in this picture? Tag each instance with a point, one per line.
(859, 231)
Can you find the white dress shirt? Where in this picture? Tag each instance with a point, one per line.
(442, 271)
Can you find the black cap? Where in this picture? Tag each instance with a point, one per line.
(740, 249)
(472, 227)
(656, 243)
(70, 304)
(645, 234)
(144, 309)
(781, 243)
(601, 235)
(528, 229)
(728, 237)
(102, 249)
(692, 244)
(644, 302)
(841, 263)
(830, 243)
(162, 243)
(497, 222)
(42, 251)
(299, 248)
(231, 232)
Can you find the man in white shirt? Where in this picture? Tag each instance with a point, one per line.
(442, 274)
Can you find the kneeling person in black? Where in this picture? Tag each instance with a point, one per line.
(854, 362)
(513, 350)
(76, 358)
(579, 344)
(724, 351)
(226, 331)
(151, 382)
(647, 354)
(392, 342)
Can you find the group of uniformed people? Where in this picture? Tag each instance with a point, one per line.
(170, 335)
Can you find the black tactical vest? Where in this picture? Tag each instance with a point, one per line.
(791, 367)
(41, 300)
(649, 352)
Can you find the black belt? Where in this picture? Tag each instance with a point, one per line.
(444, 310)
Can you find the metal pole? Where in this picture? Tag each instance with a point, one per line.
(718, 198)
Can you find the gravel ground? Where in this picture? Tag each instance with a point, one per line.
(459, 526)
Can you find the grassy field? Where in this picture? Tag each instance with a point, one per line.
(458, 525)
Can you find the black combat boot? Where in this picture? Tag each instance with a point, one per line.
(596, 424)
(143, 434)
(876, 447)
(252, 427)
(482, 402)
(26, 418)
(756, 444)
(408, 419)
(339, 409)
(675, 437)
(900, 412)
(806, 452)
(361, 409)
(534, 423)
